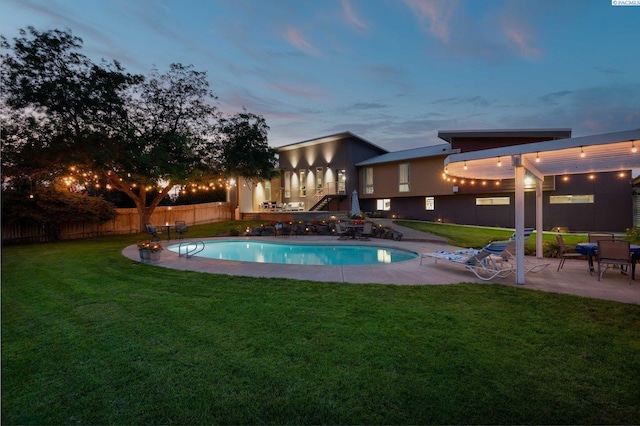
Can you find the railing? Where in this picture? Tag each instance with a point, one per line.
(198, 246)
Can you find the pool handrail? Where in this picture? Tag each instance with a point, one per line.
(190, 253)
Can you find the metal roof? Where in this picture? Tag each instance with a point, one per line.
(410, 154)
(588, 154)
(549, 134)
(325, 139)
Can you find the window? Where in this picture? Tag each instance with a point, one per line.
(493, 201)
(429, 203)
(368, 180)
(571, 199)
(287, 184)
(342, 181)
(383, 204)
(319, 177)
(267, 190)
(303, 183)
(403, 177)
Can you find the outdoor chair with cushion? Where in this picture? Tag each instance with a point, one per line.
(566, 254)
(486, 264)
(181, 228)
(155, 234)
(614, 254)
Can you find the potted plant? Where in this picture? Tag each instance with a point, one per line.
(144, 248)
(155, 250)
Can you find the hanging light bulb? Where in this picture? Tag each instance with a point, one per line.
(499, 162)
(633, 148)
(582, 154)
(465, 165)
(537, 157)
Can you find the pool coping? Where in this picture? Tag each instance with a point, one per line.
(572, 279)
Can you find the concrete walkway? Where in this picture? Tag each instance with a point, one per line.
(574, 278)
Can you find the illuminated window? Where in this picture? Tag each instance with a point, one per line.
(403, 177)
(303, 183)
(493, 201)
(267, 190)
(571, 199)
(383, 204)
(319, 177)
(287, 184)
(429, 203)
(342, 181)
(368, 180)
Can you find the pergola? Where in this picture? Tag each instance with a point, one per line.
(619, 151)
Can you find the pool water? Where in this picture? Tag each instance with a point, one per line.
(300, 254)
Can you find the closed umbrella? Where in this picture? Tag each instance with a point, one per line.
(355, 204)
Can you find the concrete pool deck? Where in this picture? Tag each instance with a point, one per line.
(574, 278)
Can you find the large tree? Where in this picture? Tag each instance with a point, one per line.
(95, 124)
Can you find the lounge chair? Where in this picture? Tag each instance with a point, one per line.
(509, 254)
(486, 264)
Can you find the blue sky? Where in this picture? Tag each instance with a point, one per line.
(391, 71)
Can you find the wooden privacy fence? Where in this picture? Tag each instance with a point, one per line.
(127, 221)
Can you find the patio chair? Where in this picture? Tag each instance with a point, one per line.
(594, 237)
(566, 254)
(343, 233)
(366, 232)
(155, 234)
(181, 228)
(486, 264)
(613, 253)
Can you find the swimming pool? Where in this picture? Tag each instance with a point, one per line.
(300, 254)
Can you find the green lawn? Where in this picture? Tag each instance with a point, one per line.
(90, 337)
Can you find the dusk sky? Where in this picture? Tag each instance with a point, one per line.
(393, 72)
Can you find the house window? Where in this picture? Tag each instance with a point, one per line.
(319, 177)
(429, 203)
(571, 199)
(383, 204)
(493, 201)
(303, 183)
(267, 190)
(368, 180)
(403, 177)
(342, 181)
(287, 184)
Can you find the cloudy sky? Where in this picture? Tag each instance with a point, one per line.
(393, 72)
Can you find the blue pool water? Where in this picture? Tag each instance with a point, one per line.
(300, 254)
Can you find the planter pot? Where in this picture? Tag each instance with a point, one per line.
(144, 255)
(154, 256)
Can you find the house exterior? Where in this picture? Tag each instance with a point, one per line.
(321, 174)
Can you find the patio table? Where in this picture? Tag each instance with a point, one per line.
(591, 250)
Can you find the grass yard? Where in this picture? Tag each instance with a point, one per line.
(90, 337)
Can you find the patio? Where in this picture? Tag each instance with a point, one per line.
(573, 278)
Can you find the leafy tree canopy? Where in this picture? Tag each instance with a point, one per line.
(97, 125)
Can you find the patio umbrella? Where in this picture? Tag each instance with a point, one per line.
(355, 204)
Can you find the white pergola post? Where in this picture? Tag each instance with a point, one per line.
(539, 221)
(519, 200)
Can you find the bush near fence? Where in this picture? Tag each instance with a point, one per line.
(127, 221)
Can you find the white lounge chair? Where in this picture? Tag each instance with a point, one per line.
(486, 263)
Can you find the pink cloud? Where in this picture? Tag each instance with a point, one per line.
(520, 38)
(297, 39)
(350, 14)
(437, 12)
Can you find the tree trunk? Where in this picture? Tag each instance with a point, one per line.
(140, 200)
